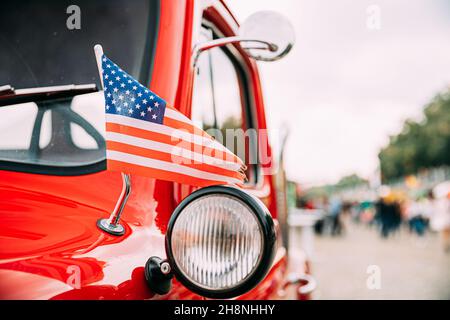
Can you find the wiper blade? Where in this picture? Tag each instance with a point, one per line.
(9, 95)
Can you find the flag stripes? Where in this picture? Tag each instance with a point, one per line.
(183, 173)
(145, 136)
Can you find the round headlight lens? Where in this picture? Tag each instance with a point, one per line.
(220, 241)
(217, 242)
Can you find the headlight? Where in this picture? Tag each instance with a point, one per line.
(220, 242)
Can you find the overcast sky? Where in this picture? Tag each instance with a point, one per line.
(345, 88)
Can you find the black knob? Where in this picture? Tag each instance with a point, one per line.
(158, 275)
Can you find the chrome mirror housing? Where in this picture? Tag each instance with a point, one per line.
(271, 28)
(265, 36)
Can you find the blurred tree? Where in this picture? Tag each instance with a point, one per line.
(347, 182)
(420, 145)
(350, 181)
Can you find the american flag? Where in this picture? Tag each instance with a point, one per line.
(146, 136)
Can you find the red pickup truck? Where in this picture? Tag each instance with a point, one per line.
(55, 191)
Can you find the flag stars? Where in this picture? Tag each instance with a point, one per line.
(108, 65)
(104, 59)
(126, 97)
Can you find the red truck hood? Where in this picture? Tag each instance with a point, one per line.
(48, 230)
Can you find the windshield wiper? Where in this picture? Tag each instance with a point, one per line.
(6, 89)
(9, 95)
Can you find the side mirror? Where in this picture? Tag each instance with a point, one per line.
(268, 27)
(265, 36)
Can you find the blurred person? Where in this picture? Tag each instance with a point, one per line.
(418, 212)
(388, 214)
(367, 212)
(381, 216)
(319, 226)
(356, 211)
(440, 218)
(335, 211)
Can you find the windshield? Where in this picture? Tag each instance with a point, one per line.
(50, 43)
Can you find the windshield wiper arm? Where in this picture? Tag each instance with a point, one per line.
(9, 95)
(6, 90)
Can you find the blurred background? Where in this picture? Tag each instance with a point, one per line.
(365, 94)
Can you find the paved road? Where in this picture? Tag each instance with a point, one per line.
(409, 268)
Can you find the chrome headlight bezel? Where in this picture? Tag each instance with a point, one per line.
(267, 228)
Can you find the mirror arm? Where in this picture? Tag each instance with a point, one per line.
(198, 49)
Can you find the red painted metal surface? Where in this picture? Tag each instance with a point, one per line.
(48, 233)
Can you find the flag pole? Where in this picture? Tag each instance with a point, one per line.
(98, 57)
(112, 224)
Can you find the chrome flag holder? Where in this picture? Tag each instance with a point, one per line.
(112, 225)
